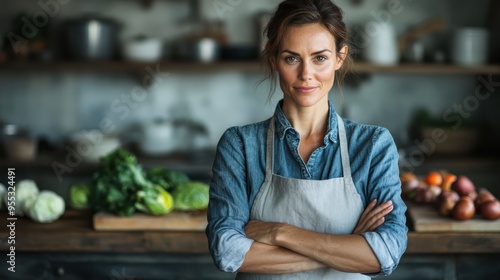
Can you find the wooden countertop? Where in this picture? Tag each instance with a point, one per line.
(74, 233)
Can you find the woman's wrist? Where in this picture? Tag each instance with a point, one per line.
(280, 234)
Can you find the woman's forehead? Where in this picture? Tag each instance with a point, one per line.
(307, 36)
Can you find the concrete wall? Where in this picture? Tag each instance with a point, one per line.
(56, 104)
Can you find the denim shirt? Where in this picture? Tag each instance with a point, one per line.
(239, 171)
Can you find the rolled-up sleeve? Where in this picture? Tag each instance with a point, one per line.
(389, 240)
(228, 210)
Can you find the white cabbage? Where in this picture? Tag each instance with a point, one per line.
(46, 207)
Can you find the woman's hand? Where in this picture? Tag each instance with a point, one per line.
(373, 216)
(264, 232)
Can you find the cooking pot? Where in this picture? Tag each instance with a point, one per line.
(92, 37)
(203, 50)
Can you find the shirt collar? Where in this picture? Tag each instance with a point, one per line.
(283, 125)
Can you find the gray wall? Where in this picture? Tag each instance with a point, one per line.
(56, 104)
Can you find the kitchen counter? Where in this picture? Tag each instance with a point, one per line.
(70, 248)
(74, 233)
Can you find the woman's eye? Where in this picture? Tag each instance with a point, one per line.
(321, 58)
(291, 59)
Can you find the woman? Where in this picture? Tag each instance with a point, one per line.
(306, 194)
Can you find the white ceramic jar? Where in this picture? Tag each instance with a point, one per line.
(381, 44)
(470, 46)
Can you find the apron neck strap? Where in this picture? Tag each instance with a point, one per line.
(346, 165)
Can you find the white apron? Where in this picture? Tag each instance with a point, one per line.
(327, 206)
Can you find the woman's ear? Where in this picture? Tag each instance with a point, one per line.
(341, 57)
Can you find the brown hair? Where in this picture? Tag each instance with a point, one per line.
(299, 12)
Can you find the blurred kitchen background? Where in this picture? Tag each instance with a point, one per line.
(167, 77)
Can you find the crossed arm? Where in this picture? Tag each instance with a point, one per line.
(282, 248)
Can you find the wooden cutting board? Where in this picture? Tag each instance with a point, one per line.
(174, 221)
(427, 219)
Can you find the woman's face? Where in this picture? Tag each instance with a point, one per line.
(306, 64)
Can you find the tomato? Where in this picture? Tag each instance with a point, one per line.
(434, 178)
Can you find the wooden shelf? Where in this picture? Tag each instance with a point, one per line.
(196, 164)
(126, 66)
(426, 69)
(246, 66)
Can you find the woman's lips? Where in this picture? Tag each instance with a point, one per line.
(305, 89)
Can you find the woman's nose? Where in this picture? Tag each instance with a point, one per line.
(306, 71)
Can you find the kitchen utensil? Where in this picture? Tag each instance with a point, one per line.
(470, 46)
(92, 37)
(146, 50)
(18, 143)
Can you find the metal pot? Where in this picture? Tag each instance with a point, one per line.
(92, 37)
(199, 50)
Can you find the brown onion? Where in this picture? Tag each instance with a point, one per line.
(491, 209)
(463, 185)
(446, 206)
(464, 209)
(483, 196)
(424, 195)
(446, 201)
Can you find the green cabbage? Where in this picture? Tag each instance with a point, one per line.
(154, 201)
(79, 196)
(191, 196)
